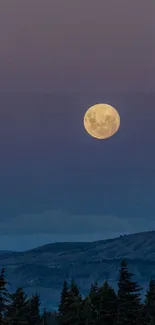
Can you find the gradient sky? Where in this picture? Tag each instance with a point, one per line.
(57, 58)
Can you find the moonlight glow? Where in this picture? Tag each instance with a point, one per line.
(101, 121)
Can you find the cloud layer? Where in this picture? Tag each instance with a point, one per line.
(56, 222)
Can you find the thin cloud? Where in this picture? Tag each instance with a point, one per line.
(58, 222)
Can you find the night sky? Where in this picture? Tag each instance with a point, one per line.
(57, 58)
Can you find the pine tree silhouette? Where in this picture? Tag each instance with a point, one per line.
(70, 305)
(63, 306)
(108, 305)
(128, 297)
(149, 304)
(18, 309)
(34, 312)
(3, 295)
(94, 302)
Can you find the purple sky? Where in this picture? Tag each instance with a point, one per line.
(77, 45)
(56, 182)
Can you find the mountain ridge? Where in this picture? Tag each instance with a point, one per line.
(78, 243)
(43, 269)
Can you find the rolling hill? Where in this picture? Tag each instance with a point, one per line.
(44, 268)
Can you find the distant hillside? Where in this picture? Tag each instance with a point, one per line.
(44, 269)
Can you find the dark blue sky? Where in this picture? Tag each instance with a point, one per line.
(58, 183)
(57, 59)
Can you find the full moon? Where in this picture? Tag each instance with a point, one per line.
(101, 121)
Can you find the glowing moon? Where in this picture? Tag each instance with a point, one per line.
(101, 121)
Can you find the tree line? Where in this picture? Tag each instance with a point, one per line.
(102, 306)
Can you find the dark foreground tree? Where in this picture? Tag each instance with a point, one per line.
(45, 318)
(129, 302)
(70, 305)
(149, 304)
(86, 312)
(3, 295)
(62, 309)
(18, 309)
(34, 312)
(94, 302)
(107, 305)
